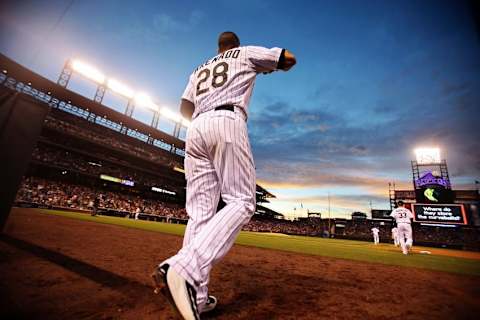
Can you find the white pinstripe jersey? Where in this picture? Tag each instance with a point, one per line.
(402, 215)
(229, 77)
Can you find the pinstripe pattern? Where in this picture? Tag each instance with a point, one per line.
(218, 161)
(402, 217)
(405, 236)
(241, 74)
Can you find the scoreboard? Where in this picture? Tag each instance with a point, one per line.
(434, 195)
(439, 213)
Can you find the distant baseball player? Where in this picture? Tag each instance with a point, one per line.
(96, 204)
(395, 236)
(138, 211)
(376, 238)
(218, 162)
(403, 218)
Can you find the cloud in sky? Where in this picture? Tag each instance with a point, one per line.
(159, 26)
(317, 148)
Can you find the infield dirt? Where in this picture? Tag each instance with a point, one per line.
(57, 268)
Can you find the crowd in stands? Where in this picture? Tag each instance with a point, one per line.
(307, 227)
(433, 234)
(61, 158)
(80, 127)
(51, 193)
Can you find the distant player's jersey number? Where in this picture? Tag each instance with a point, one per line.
(219, 77)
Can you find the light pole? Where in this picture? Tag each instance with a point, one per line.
(328, 214)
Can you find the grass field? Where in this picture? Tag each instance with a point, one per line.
(446, 260)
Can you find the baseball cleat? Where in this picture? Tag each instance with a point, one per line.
(157, 277)
(210, 305)
(180, 294)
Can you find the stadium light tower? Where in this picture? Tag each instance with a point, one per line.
(120, 88)
(431, 180)
(134, 98)
(185, 122)
(143, 100)
(167, 113)
(428, 155)
(124, 91)
(65, 75)
(88, 71)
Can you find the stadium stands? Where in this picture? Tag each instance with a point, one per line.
(56, 194)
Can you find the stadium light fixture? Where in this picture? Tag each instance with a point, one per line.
(88, 71)
(120, 88)
(428, 155)
(185, 122)
(144, 100)
(170, 114)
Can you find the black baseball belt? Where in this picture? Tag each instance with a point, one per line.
(228, 107)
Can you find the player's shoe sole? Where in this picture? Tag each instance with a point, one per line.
(179, 293)
(210, 305)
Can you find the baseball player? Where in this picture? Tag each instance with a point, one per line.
(96, 204)
(218, 162)
(395, 236)
(137, 213)
(403, 218)
(376, 238)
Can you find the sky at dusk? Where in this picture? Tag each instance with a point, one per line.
(374, 80)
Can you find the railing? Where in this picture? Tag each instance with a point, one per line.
(66, 106)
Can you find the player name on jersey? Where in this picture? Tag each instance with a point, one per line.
(225, 55)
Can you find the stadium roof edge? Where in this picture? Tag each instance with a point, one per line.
(265, 192)
(22, 74)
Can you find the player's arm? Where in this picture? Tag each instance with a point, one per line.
(264, 60)
(410, 214)
(186, 109)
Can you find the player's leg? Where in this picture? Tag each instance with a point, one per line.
(408, 236)
(401, 236)
(203, 192)
(226, 136)
(202, 196)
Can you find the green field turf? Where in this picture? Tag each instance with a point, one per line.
(448, 261)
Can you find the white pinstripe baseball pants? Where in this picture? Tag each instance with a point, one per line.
(218, 161)
(405, 232)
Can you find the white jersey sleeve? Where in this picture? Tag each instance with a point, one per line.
(189, 93)
(263, 59)
(409, 214)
